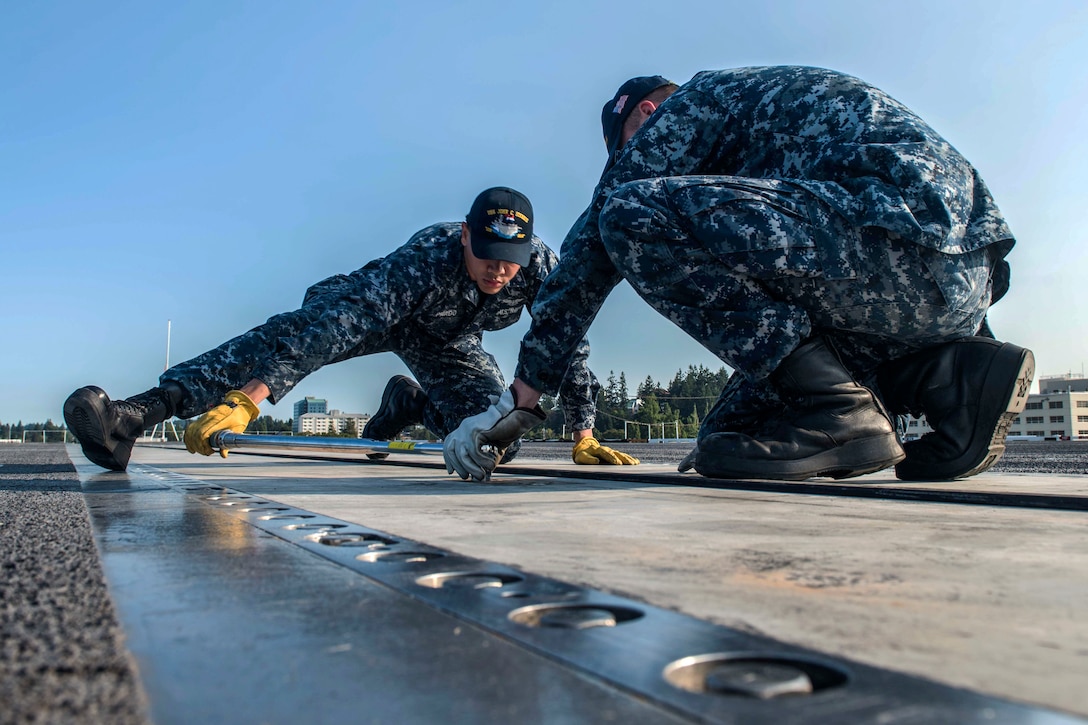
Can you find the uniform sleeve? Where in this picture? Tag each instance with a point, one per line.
(670, 144)
(348, 317)
(565, 305)
(578, 391)
(579, 386)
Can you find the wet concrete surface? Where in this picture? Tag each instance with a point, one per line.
(229, 622)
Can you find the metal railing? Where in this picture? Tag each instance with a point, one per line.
(47, 436)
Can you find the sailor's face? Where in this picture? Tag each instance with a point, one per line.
(490, 275)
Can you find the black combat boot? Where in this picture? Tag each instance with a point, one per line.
(831, 426)
(402, 405)
(106, 429)
(970, 391)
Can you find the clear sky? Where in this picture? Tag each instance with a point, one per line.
(205, 162)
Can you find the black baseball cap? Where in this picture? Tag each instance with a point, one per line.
(619, 107)
(500, 224)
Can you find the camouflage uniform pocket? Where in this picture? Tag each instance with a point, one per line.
(963, 279)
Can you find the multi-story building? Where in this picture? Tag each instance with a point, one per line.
(310, 405)
(1058, 411)
(322, 423)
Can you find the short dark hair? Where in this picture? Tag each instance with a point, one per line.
(617, 110)
(657, 95)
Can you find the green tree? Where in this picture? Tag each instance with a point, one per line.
(608, 394)
(648, 387)
(268, 424)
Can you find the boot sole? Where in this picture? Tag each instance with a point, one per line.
(1014, 365)
(855, 458)
(83, 412)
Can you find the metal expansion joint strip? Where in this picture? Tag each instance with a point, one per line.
(697, 668)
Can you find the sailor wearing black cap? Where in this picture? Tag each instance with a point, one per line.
(429, 302)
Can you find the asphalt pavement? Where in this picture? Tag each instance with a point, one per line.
(62, 656)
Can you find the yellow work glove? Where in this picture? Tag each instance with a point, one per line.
(233, 414)
(589, 451)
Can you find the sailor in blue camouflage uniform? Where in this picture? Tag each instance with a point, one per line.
(429, 302)
(819, 238)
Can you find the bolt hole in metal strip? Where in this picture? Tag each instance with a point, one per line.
(939, 494)
(699, 670)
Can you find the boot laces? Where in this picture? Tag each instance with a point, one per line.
(135, 409)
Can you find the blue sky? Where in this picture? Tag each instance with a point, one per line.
(204, 162)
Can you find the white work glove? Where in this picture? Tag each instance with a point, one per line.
(478, 444)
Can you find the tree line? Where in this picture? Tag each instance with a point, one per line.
(651, 410)
(15, 431)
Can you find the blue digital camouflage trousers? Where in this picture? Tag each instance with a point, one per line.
(750, 268)
(458, 377)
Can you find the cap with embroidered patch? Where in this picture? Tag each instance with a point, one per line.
(500, 225)
(619, 107)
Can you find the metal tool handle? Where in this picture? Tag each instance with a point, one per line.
(225, 439)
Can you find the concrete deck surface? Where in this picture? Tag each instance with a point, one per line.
(987, 598)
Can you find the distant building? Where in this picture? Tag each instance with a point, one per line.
(310, 417)
(310, 405)
(1058, 411)
(1063, 384)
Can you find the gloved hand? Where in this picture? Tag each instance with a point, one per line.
(497, 427)
(233, 414)
(589, 451)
